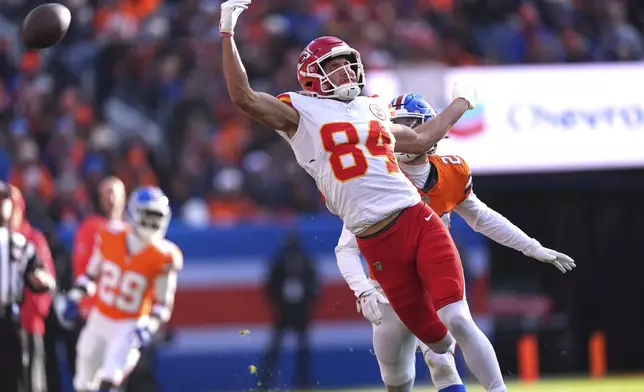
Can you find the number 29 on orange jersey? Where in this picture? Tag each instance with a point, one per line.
(378, 144)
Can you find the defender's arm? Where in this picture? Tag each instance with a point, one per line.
(493, 225)
(165, 287)
(262, 107)
(498, 228)
(350, 265)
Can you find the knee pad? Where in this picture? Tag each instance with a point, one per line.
(395, 375)
(457, 318)
(459, 325)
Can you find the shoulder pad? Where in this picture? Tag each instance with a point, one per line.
(464, 167)
(459, 172)
(306, 93)
(285, 98)
(175, 256)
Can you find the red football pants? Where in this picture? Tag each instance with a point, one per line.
(418, 267)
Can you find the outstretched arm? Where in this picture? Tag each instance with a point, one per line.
(420, 139)
(262, 107)
(369, 299)
(350, 265)
(425, 136)
(498, 228)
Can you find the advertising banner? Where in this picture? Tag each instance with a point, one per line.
(550, 118)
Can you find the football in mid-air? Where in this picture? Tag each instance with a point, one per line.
(45, 25)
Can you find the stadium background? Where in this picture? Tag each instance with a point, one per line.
(557, 146)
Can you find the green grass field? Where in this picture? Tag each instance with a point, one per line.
(621, 384)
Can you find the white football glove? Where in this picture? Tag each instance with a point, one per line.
(368, 304)
(230, 11)
(466, 92)
(563, 262)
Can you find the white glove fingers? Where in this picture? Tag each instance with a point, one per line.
(381, 298)
(565, 258)
(547, 255)
(559, 266)
(568, 266)
(377, 315)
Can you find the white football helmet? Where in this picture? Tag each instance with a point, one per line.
(148, 212)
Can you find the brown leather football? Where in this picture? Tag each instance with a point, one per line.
(45, 25)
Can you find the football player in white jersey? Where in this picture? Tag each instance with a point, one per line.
(447, 185)
(346, 143)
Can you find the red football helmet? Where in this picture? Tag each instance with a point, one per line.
(312, 77)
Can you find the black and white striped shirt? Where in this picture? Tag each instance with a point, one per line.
(18, 259)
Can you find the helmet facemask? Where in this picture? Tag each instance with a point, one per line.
(411, 120)
(352, 70)
(149, 224)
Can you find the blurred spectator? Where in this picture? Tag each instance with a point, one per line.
(35, 307)
(292, 289)
(619, 40)
(136, 90)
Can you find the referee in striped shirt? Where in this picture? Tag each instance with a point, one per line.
(19, 266)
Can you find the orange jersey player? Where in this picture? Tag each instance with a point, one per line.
(445, 184)
(133, 274)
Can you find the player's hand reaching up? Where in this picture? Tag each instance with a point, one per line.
(466, 92)
(368, 304)
(230, 11)
(563, 262)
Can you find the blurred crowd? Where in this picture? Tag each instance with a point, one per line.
(136, 89)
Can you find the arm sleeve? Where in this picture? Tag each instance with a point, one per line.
(493, 225)
(350, 264)
(165, 288)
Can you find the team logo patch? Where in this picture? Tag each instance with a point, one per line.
(378, 112)
(377, 265)
(304, 56)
